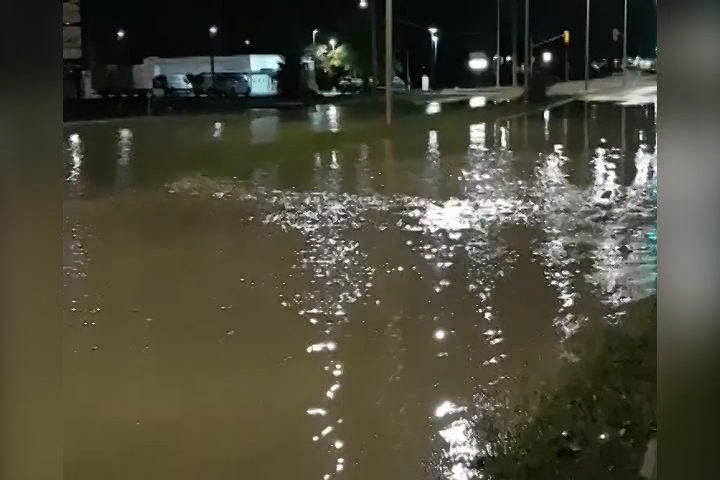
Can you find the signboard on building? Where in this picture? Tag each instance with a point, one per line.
(72, 43)
(72, 36)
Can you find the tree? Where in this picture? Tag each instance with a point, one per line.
(331, 64)
(289, 77)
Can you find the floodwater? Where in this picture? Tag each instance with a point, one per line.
(242, 309)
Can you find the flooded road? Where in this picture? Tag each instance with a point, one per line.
(239, 309)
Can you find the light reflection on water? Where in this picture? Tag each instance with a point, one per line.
(74, 254)
(325, 118)
(595, 242)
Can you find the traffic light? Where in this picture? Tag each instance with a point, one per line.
(616, 34)
(566, 37)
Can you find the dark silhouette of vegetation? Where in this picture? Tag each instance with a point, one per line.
(290, 77)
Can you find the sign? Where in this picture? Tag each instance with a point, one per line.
(71, 12)
(425, 83)
(72, 43)
(478, 62)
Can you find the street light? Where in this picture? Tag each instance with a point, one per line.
(213, 30)
(333, 43)
(315, 32)
(247, 43)
(363, 4)
(434, 39)
(121, 45)
(547, 57)
(478, 64)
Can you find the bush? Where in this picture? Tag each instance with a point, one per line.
(597, 422)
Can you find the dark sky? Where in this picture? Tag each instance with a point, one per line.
(179, 27)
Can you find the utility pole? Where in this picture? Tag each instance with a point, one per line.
(212, 32)
(373, 41)
(497, 48)
(566, 48)
(407, 68)
(526, 73)
(514, 43)
(625, 43)
(587, 44)
(388, 61)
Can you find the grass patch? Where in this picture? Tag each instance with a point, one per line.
(596, 422)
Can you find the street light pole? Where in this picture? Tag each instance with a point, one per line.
(514, 43)
(407, 69)
(212, 31)
(120, 47)
(369, 5)
(388, 61)
(433, 31)
(497, 48)
(625, 43)
(373, 41)
(526, 76)
(587, 44)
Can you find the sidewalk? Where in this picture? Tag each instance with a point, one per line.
(638, 90)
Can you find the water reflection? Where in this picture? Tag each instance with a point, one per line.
(432, 108)
(81, 310)
(264, 127)
(217, 130)
(477, 102)
(546, 129)
(124, 154)
(74, 164)
(325, 118)
(364, 174)
(479, 216)
(338, 277)
(431, 175)
(74, 253)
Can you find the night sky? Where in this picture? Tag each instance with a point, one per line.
(179, 27)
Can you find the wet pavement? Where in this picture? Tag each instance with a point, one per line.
(362, 310)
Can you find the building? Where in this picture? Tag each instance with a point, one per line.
(259, 70)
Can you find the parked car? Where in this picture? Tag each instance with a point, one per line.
(601, 69)
(171, 85)
(225, 84)
(232, 84)
(350, 85)
(646, 65)
(398, 85)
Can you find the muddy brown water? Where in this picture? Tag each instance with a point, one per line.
(358, 311)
